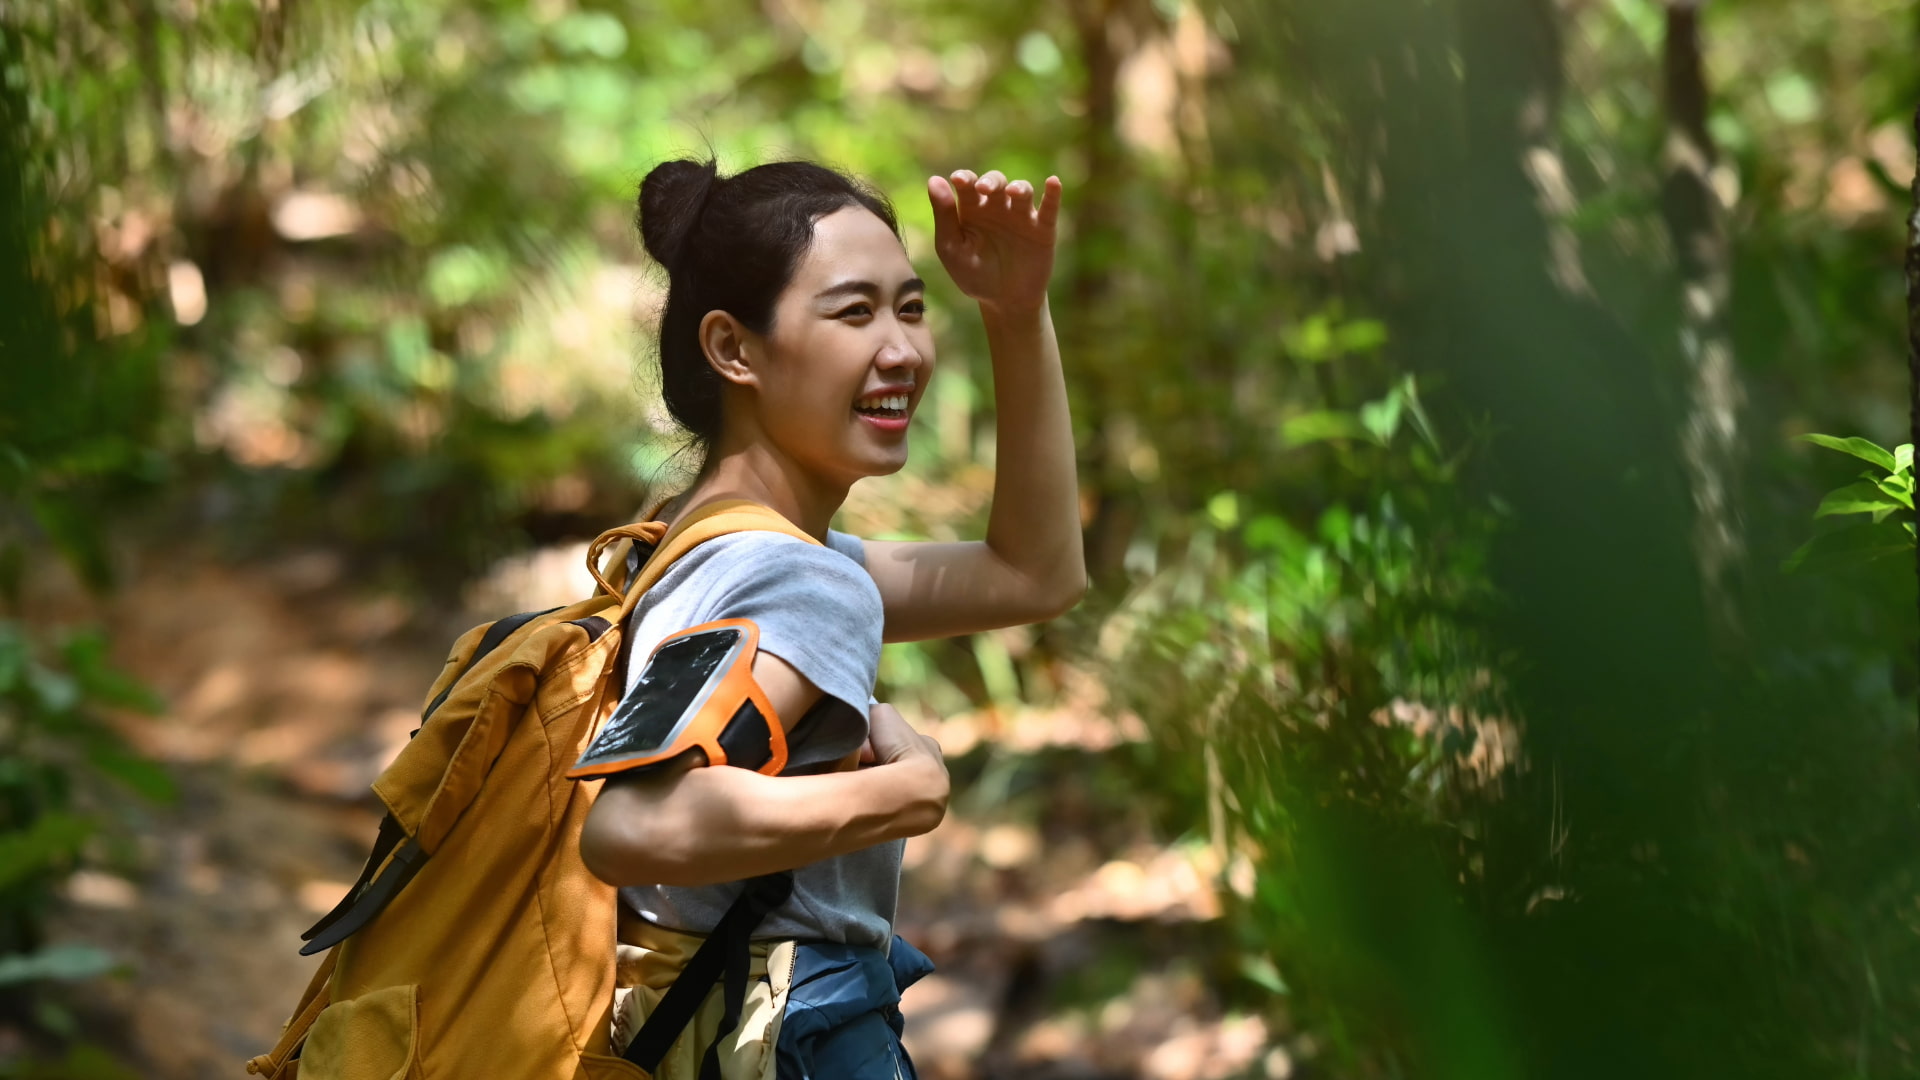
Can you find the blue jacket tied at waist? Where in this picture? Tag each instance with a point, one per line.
(843, 1014)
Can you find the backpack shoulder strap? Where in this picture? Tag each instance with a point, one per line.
(709, 522)
(399, 852)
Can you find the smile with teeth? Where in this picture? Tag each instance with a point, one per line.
(888, 406)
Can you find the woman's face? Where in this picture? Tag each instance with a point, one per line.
(849, 354)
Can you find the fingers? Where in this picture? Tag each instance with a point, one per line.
(891, 738)
(940, 192)
(1020, 194)
(964, 182)
(888, 733)
(946, 211)
(992, 192)
(1050, 208)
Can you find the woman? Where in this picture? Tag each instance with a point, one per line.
(794, 346)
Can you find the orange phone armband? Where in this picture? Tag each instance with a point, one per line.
(697, 691)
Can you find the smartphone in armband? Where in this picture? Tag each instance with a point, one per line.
(697, 692)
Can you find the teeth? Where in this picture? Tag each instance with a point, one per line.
(897, 402)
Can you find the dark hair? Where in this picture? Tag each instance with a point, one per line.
(730, 243)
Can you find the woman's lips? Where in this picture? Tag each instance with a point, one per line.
(886, 423)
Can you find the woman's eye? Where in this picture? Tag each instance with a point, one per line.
(857, 311)
(914, 308)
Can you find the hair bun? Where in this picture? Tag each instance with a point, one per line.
(671, 198)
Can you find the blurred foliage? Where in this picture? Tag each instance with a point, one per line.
(1372, 322)
(76, 418)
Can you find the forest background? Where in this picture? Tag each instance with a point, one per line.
(1467, 689)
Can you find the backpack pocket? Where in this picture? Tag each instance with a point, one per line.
(607, 1067)
(370, 1037)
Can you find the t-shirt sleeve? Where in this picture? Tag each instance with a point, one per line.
(847, 544)
(820, 612)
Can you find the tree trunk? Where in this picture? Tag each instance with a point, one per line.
(1710, 433)
(1098, 242)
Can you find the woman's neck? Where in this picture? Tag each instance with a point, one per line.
(758, 474)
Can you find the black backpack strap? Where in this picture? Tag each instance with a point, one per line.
(390, 836)
(357, 911)
(497, 633)
(729, 951)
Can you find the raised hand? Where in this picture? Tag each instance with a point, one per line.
(995, 239)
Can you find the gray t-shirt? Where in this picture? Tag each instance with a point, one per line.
(818, 610)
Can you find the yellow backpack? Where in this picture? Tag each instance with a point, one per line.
(476, 943)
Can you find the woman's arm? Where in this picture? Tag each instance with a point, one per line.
(998, 247)
(702, 826)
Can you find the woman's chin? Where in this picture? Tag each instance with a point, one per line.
(880, 461)
(888, 466)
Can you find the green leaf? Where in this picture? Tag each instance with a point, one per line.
(1864, 449)
(1310, 340)
(1260, 971)
(62, 963)
(1899, 487)
(1903, 457)
(87, 658)
(1360, 335)
(56, 693)
(1316, 339)
(1268, 533)
(1382, 418)
(592, 33)
(1410, 393)
(1322, 426)
(1039, 54)
(13, 656)
(41, 847)
(997, 672)
(1857, 498)
(144, 776)
(1223, 510)
(55, 1018)
(77, 530)
(1793, 97)
(1336, 526)
(461, 274)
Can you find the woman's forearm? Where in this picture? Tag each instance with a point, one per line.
(703, 826)
(1034, 525)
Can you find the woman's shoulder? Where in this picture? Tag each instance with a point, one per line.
(773, 567)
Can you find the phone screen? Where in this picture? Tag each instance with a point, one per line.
(670, 691)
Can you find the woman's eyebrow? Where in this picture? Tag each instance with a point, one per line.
(866, 288)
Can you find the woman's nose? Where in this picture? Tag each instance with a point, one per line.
(899, 353)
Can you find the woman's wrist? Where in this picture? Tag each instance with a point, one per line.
(1020, 315)
(912, 794)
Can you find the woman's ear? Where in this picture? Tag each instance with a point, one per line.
(729, 346)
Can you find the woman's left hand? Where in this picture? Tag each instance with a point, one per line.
(995, 242)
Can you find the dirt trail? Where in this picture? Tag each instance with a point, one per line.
(1070, 943)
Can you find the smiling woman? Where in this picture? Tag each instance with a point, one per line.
(794, 348)
(828, 387)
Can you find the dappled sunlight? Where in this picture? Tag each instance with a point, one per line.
(266, 692)
(1473, 680)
